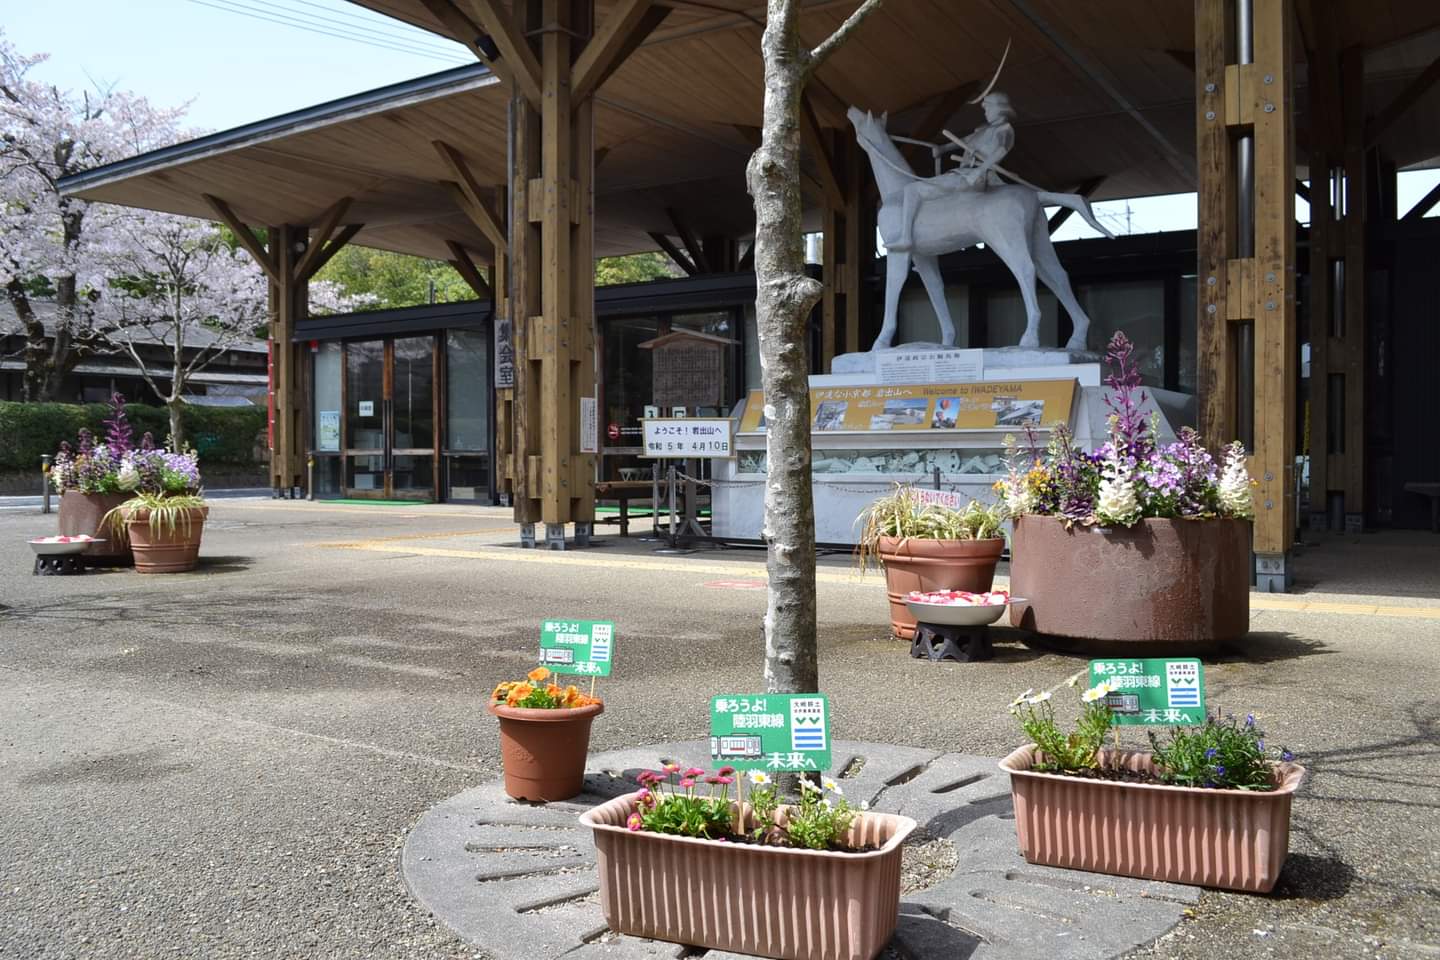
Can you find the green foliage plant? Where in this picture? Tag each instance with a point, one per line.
(165, 512)
(903, 515)
(1226, 754)
(1063, 752)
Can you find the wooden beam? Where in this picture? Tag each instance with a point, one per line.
(468, 33)
(1403, 101)
(346, 234)
(1418, 211)
(1091, 69)
(465, 266)
(687, 237)
(329, 220)
(475, 207)
(521, 65)
(673, 252)
(244, 235)
(813, 140)
(1085, 190)
(627, 26)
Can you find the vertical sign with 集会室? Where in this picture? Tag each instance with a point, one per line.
(1152, 692)
(777, 732)
(581, 647)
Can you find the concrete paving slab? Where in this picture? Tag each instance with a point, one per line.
(518, 881)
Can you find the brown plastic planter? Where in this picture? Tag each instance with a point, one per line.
(1232, 839)
(926, 565)
(1159, 581)
(167, 551)
(544, 750)
(82, 514)
(765, 901)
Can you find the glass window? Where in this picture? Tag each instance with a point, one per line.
(628, 370)
(1189, 318)
(1136, 308)
(414, 393)
(327, 477)
(327, 396)
(469, 477)
(1005, 319)
(467, 390)
(365, 398)
(752, 349)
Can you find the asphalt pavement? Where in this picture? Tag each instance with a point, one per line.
(226, 764)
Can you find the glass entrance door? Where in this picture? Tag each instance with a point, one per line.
(390, 418)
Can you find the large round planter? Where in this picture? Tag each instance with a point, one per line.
(1158, 582)
(1234, 839)
(744, 898)
(544, 750)
(926, 565)
(167, 551)
(83, 514)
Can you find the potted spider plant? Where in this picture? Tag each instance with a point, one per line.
(165, 518)
(928, 547)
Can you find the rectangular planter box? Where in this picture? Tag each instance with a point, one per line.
(1232, 839)
(766, 901)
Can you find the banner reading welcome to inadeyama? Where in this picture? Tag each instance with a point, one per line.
(984, 405)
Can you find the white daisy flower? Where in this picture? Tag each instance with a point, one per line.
(759, 777)
(831, 785)
(1040, 697)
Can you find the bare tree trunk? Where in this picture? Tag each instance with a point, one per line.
(177, 438)
(784, 297)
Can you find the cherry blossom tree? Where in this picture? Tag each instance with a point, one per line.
(183, 285)
(52, 247)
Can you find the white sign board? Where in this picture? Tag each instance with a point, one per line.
(697, 437)
(367, 408)
(945, 498)
(589, 425)
(930, 366)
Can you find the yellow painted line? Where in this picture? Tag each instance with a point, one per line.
(731, 570)
(1297, 605)
(736, 571)
(422, 536)
(400, 513)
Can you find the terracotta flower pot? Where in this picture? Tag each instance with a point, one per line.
(744, 898)
(544, 750)
(82, 514)
(167, 550)
(1233, 839)
(1159, 581)
(926, 565)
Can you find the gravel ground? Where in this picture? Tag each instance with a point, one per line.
(226, 764)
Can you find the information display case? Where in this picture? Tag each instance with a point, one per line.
(868, 437)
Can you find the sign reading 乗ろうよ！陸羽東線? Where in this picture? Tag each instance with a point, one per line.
(1156, 692)
(778, 732)
(582, 647)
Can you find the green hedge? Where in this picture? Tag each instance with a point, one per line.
(222, 435)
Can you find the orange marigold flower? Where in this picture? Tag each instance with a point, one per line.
(500, 691)
(538, 674)
(519, 692)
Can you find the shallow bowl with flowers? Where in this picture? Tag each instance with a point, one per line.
(959, 608)
(59, 546)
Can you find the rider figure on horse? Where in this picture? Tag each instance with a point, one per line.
(982, 150)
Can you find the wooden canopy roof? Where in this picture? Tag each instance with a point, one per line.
(1104, 92)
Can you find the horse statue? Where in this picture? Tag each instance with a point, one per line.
(929, 216)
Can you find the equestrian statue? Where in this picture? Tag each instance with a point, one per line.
(921, 217)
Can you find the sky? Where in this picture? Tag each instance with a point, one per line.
(236, 61)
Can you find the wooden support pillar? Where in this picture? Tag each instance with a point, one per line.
(841, 251)
(289, 298)
(1232, 99)
(1347, 351)
(552, 286)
